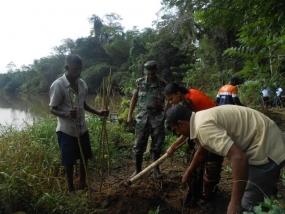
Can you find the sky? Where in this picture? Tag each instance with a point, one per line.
(31, 28)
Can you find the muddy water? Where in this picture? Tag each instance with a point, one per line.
(18, 110)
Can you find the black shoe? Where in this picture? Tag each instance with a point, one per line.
(157, 173)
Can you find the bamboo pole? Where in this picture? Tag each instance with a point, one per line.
(80, 148)
(104, 144)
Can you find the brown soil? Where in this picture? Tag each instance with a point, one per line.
(149, 193)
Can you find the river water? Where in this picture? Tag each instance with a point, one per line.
(19, 110)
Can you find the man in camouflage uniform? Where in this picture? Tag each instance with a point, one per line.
(149, 100)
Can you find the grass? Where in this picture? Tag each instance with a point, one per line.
(29, 167)
(31, 178)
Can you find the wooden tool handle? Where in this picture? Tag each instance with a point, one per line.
(151, 166)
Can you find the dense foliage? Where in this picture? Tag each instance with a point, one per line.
(200, 43)
(31, 178)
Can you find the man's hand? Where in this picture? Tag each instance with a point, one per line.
(234, 208)
(73, 113)
(130, 120)
(170, 150)
(198, 158)
(185, 178)
(179, 142)
(104, 113)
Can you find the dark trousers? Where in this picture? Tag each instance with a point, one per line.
(262, 182)
(69, 148)
(276, 101)
(204, 181)
(266, 101)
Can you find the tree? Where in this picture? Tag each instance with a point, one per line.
(11, 67)
(4, 79)
(94, 75)
(97, 26)
(67, 47)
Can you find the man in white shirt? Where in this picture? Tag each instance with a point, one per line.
(277, 100)
(265, 96)
(67, 102)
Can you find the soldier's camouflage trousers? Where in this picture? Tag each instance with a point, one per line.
(211, 178)
(153, 128)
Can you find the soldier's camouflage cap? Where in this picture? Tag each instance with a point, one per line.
(150, 67)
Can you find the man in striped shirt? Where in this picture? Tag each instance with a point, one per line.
(228, 94)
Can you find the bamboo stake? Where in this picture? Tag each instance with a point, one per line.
(80, 148)
(104, 136)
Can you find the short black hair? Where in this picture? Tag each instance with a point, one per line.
(173, 88)
(72, 58)
(235, 80)
(177, 112)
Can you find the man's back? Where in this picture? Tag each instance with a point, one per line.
(217, 128)
(201, 101)
(265, 92)
(228, 94)
(279, 91)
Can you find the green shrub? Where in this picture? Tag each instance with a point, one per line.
(250, 94)
(154, 212)
(31, 178)
(268, 206)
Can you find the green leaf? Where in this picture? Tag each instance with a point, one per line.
(257, 209)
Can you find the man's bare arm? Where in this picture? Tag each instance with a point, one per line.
(239, 161)
(94, 111)
(198, 158)
(175, 145)
(132, 107)
(55, 111)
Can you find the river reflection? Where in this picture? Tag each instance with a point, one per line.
(18, 110)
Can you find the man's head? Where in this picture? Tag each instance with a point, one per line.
(234, 81)
(175, 96)
(150, 69)
(174, 93)
(178, 119)
(73, 66)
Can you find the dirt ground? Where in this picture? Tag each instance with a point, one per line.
(149, 193)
